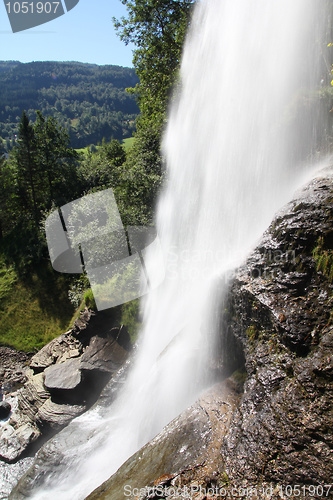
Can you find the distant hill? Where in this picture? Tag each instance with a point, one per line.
(6, 65)
(89, 100)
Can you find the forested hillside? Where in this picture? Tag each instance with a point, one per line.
(90, 101)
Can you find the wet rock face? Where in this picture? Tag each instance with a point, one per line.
(280, 305)
(103, 354)
(187, 448)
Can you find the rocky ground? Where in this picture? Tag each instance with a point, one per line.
(13, 365)
(46, 391)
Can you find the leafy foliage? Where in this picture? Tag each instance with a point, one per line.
(158, 29)
(6, 192)
(56, 162)
(44, 165)
(142, 176)
(8, 278)
(102, 169)
(134, 179)
(130, 316)
(89, 299)
(40, 174)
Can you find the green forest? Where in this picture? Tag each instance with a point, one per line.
(47, 111)
(90, 101)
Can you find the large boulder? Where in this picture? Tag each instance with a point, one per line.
(33, 414)
(13, 441)
(58, 415)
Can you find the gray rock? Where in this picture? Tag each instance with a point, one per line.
(21, 429)
(58, 415)
(38, 407)
(30, 398)
(49, 458)
(103, 354)
(185, 448)
(14, 441)
(34, 411)
(63, 376)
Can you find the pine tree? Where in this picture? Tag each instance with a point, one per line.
(55, 162)
(2, 192)
(26, 167)
(9, 209)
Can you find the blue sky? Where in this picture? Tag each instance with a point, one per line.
(84, 34)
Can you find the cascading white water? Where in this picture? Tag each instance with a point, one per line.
(228, 149)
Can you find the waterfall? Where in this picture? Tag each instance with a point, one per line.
(231, 147)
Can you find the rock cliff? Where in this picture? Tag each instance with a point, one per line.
(281, 309)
